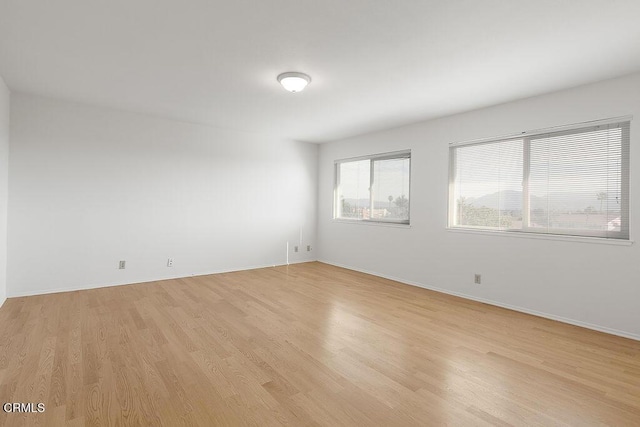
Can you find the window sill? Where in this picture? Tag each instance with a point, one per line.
(578, 239)
(374, 223)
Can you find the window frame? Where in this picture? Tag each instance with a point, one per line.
(526, 137)
(402, 154)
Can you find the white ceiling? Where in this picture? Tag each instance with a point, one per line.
(375, 63)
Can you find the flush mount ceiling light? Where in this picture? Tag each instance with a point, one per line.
(293, 81)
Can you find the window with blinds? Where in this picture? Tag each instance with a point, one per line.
(373, 188)
(569, 181)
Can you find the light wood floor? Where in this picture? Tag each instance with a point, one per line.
(308, 344)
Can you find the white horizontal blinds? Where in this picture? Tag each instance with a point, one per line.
(390, 189)
(353, 181)
(487, 185)
(576, 182)
(569, 181)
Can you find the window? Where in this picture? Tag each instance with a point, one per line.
(373, 188)
(568, 181)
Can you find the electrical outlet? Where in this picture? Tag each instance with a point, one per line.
(295, 249)
(122, 265)
(170, 262)
(308, 248)
(477, 279)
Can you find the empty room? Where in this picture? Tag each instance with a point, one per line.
(319, 213)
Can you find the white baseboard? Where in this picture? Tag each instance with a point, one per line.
(145, 280)
(574, 322)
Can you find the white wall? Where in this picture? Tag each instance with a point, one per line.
(92, 186)
(4, 184)
(595, 285)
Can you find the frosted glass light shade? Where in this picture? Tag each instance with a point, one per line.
(293, 81)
